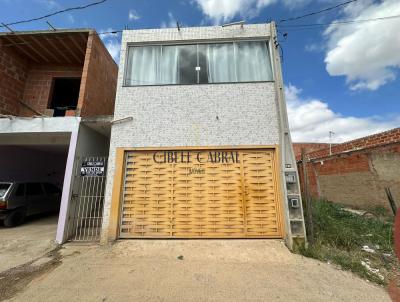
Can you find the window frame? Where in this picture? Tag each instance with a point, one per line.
(265, 39)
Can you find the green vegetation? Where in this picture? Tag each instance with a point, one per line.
(362, 244)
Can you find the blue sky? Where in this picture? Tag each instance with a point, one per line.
(340, 78)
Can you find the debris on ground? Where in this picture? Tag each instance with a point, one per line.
(367, 249)
(375, 271)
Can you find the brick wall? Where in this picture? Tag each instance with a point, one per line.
(31, 83)
(374, 140)
(308, 147)
(39, 82)
(99, 80)
(13, 73)
(358, 175)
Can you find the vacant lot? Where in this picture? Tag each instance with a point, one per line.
(359, 241)
(190, 270)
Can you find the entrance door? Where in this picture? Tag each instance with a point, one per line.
(201, 194)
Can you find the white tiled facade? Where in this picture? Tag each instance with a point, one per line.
(192, 115)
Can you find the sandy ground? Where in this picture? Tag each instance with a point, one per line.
(193, 270)
(26, 242)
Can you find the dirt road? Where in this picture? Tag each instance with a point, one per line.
(26, 242)
(193, 270)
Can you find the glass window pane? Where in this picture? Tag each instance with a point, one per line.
(169, 65)
(187, 62)
(253, 62)
(20, 190)
(143, 65)
(203, 63)
(51, 189)
(34, 189)
(220, 62)
(3, 189)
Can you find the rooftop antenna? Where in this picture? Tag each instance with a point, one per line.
(241, 23)
(52, 27)
(331, 133)
(178, 26)
(9, 28)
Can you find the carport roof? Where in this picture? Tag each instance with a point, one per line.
(49, 46)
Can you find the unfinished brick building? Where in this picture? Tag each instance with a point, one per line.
(56, 73)
(57, 92)
(356, 173)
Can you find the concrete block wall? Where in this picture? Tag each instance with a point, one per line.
(357, 176)
(99, 80)
(13, 74)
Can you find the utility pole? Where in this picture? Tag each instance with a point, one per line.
(331, 133)
(307, 196)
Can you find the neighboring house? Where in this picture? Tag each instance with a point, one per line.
(298, 148)
(57, 92)
(200, 145)
(356, 173)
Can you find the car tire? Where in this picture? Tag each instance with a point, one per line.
(15, 218)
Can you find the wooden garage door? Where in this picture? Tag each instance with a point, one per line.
(200, 194)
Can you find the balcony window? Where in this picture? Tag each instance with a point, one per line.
(198, 63)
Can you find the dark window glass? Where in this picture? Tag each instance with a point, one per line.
(187, 63)
(20, 190)
(34, 189)
(202, 59)
(51, 189)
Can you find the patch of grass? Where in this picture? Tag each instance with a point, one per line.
(340, 236)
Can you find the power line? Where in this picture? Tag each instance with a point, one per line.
(318, 12)
(55, 13)
(338, 22)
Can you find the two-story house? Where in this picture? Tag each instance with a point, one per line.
(57, 92)
(200, 147)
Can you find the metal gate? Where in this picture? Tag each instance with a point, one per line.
(86, 204)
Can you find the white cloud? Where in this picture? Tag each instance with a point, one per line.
(311, 120)
(108, 33)
(50, 4)
(367, 53)
(170, 23)
(133, 15)
(292, 4)
(112, 42)
(224, 10)
(113, 48)
(219, 11)
(314, 47)
(71, 18)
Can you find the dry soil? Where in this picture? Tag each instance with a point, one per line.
(194, 270)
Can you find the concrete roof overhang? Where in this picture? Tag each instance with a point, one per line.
(49, 46)
(51, 133)
(100, 124)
